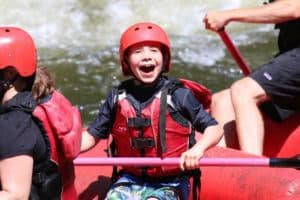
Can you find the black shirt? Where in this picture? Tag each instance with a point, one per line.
(183, 99)
(289, 35)
(20, 134)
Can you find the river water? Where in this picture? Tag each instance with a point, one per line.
(78, 41)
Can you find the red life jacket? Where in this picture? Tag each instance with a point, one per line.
(200, 92)
(154, 131)
(62, 124)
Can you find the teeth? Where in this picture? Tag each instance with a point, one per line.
(147, 66)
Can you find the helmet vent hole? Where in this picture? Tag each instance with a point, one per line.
(7, 30)
(136, 29)
(149, 27)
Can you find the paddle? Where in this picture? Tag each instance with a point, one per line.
(293, 162)
(235, 53)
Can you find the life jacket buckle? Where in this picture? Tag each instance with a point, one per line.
(142, 143)
(139, 122)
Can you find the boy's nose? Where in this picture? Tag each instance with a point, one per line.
(146, 54)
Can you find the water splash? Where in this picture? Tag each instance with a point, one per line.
(78, 40)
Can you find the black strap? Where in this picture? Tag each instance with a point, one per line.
(139, 122)
(38, 178)
(169, 88)
(162, 119)
(142, 143)
(196, 184)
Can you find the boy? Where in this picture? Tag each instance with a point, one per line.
(151, 116)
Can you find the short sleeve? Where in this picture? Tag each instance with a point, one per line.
(192, 109)
(18, 135)
(102, 124)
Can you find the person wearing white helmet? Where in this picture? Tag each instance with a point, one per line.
(151, 115)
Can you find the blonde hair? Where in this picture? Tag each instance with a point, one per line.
(43, 84)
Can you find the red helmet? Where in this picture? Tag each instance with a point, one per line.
(17, 49)
(144, 32)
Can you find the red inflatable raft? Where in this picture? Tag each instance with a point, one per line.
(263, 183)
(222, 182)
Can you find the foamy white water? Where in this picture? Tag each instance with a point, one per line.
(74, 25)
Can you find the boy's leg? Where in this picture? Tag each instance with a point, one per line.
(131, 187)
(135, 191)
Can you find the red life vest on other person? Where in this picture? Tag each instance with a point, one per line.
(137, 132)
(201, 93)
(62, 124)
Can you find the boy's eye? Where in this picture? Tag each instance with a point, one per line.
(154, 49)
(138, 51)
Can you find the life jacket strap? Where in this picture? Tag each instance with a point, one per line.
(142, 143)
(162, 120)
(139, 122)
(38, 178)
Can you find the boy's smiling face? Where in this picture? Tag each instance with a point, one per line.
(146, 61)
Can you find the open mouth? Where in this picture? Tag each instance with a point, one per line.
(147, 69)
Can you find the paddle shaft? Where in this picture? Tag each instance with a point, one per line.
(235, 53)
(225, 162)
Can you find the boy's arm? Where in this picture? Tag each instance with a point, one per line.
(102, 122)
(276, 12)
(211, 136)
(88, 141)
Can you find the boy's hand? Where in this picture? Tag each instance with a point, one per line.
(190, 159)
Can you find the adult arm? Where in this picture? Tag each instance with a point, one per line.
(15, 177)
(276, 12)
